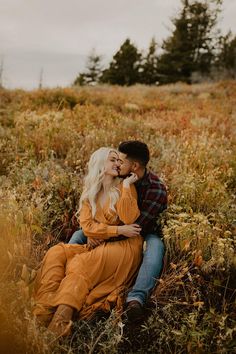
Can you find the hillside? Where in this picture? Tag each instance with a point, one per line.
(46, 138)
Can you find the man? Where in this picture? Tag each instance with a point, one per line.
(152, 200)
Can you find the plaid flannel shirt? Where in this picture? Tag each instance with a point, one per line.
(152, 200)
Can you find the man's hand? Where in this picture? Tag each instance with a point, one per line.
(129, 230)
(93, 242)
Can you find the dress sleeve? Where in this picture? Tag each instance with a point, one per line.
(127, 206)
(92, 228)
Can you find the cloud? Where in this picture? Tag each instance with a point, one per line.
(76, 26)
(42, 29)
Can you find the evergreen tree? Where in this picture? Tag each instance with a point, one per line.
(190, 48)
(93, 71)
(148, 72)
(227, 54)
(125, 66)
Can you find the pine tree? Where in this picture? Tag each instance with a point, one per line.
(227, 54)
(124, 67)
(190, 48)
(93, 71)
(148, 72)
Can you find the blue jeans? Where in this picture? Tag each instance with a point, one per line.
(78, 237)
(149, 270)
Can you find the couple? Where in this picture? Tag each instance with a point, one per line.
(116, 216)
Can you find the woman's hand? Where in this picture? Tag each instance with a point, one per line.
(94, 242)
(129, 230)
(130, 180)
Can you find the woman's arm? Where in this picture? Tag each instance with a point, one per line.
(98, 230)
(92, 228)
(127, 206)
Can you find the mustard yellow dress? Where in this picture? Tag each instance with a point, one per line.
(91, 280)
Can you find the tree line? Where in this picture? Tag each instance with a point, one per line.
(196, 48)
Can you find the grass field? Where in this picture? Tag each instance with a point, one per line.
(46, 138)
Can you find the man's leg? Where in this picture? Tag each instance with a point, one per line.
(78, 237)
(149, 271)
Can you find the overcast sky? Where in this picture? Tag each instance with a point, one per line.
(57, 35)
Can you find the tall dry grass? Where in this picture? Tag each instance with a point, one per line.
(47, 137)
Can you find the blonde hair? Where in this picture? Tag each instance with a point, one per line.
(94, 178)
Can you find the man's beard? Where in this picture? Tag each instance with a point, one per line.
(124, 176)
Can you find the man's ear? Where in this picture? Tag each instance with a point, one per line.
(135, 166)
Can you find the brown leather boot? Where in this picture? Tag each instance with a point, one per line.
(61, 322)
(135, 311)
(43, 320)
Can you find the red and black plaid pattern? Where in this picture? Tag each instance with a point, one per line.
(152, 200)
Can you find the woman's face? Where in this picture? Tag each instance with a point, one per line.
(111, 165)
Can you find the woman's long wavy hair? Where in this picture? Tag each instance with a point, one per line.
(94, 178)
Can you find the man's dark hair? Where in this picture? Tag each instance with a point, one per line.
(135, 150)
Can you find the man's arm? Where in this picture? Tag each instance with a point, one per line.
(154, 202)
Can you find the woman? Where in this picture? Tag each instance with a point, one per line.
(76, 278)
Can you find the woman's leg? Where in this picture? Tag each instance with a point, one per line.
(98, 273)
(48, 279)
(106, 267)
(83, 272)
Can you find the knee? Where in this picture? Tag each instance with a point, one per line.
(154, 244)
(55, 251)
(78, 237)
(154, 254)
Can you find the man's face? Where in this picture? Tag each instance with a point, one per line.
(125, 166)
